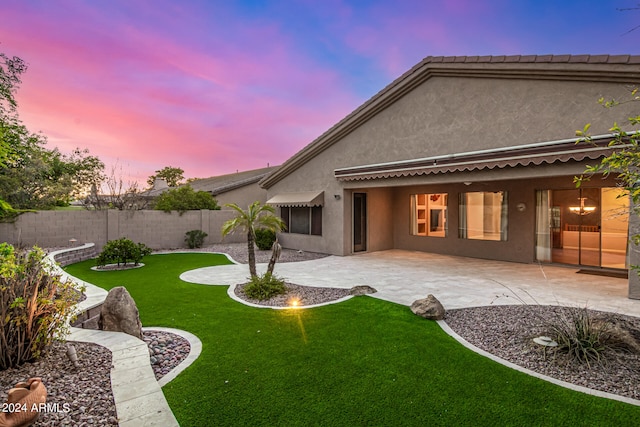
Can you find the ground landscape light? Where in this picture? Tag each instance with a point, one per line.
(294, 302)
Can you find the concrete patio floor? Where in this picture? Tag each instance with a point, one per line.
(404, 276)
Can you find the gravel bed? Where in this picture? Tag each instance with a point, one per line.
(305, 295)
(79, 396)
(166, 351)
(507, 331)
(238, 251)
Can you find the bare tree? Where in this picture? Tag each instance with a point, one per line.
(116, 193)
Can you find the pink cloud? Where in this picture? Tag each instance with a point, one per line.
(156, 98)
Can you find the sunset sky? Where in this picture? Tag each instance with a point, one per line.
(215, 86)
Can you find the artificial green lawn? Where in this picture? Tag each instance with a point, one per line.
(361, 362)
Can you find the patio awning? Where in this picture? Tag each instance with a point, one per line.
(524, 155)
(304, 199)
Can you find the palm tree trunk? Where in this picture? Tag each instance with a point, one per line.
(252, 254)
(276, 249)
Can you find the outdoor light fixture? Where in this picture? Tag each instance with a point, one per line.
(582, 209)
(336, 196)
(294, 302)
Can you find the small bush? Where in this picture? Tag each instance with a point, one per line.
(121, 252)
(195, 238)
(265, 239)
(264, 287)
(581, 336)
(35, 306)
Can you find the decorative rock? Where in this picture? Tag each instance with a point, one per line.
(120, 314)
(362, 290)
(429, 308)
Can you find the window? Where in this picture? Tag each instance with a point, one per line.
(483, 216)
(302, 220)
(429, 214)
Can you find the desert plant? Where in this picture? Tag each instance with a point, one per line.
(256, 216)
(35, 305)
(264, 287)
(265, 238)
(121, 252)
(581, 336)
(195, 238)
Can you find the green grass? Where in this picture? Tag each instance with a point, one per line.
(364, 362)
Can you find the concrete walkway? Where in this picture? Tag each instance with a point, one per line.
(403, 277)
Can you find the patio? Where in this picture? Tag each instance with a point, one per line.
(404, 276)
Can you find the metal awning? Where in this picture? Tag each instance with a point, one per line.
(525, 155)
(304, 199)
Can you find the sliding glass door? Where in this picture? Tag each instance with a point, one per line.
(585, 226)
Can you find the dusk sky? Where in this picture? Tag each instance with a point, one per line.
(215, 86)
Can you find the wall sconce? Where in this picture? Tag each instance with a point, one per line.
(582, 209)
(336, 196)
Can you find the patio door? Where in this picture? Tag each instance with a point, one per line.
(359, 222)
(586, 226)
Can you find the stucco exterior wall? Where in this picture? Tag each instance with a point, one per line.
(156, 229)
(447, 115)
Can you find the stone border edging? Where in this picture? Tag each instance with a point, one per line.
(231, 291)
(519, 368)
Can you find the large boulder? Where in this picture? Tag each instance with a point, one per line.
(429, 308)
(362, 290)
(120, 314)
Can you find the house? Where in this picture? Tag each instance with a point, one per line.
(472, 156)
(240, 188)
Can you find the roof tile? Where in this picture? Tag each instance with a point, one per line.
(599, 59)
(578, 58)
(512, 58)
(560, 58)
(528, 58)
(619, 59)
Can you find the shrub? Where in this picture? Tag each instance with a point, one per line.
(195, 238)
(35, 305)
(184, 199)
(265, 238)
(122, 251)
(581, 336)
(264, 287)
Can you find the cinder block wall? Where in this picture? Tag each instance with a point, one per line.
(156, 229)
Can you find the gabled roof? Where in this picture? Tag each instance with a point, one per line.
(223, 183)
(604, 68)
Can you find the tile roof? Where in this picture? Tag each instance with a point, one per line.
(585, 59)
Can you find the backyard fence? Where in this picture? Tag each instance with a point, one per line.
(156, 229)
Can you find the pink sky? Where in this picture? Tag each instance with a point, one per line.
(216, 86)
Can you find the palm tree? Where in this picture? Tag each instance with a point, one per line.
(256, 216)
